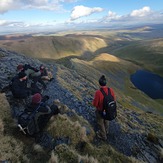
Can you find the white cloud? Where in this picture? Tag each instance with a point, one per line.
(5, 23)
(81, 11)
(141, 12)
(35, 2)
(112, 15)
(137, 17)
(6, 5)
(69, 1)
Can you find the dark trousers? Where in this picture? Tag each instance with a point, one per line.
(43, 119)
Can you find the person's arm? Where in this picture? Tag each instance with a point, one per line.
(44, 110)
(112, 93)
(95, 100)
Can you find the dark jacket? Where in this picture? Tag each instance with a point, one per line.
(42, 115)
(19, 88)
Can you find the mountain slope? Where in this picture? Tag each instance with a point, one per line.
(118, 72)
(134, 133)
(148, 54)
(54, 47)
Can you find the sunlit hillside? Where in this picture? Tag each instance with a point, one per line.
(54, 47)
(146, 53)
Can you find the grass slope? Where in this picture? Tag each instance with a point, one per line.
(54, 47)
(148, 54)
(19, 148)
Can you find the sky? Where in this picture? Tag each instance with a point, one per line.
(47, 15)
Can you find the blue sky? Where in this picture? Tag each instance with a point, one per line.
(35, 15)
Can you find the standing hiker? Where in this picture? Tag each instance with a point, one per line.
(98, 103)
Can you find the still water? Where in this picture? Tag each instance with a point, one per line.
(149, 83)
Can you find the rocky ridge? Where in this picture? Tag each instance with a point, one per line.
(131, 142)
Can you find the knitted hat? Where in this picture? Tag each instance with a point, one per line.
(19, 67)
(102, 80)
(36, 98)
(21, 75)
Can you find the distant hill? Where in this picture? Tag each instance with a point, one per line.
(53, 47)
(147, 53)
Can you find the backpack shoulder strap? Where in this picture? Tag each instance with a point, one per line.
(103, 92)
(109, 93)
(35, 110)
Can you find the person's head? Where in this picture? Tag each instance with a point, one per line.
(42, 67)
(20, 67)
(102, 81)
(22, 76)
(36, 99)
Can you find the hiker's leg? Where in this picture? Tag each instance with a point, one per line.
(43, 120)
(37, 129)
(106, 123)
(45, 78)
(54, 109)
(100, 122)
(34, 88)
(41, 81)
(50, 75)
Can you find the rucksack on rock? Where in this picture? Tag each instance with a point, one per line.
(26, 121)
(109, 111)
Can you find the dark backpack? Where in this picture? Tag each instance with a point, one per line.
(109, 111)
(26, 121)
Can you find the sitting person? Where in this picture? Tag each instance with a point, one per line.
(19, 87)
(33, 74)
(29, 70)
(45, 74)
(44, 113)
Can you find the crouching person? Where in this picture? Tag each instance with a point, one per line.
(44, 112)
(46, 74)
(19, 86)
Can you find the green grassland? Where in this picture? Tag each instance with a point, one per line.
(148, 54)
(54, 47)
(16, 147)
